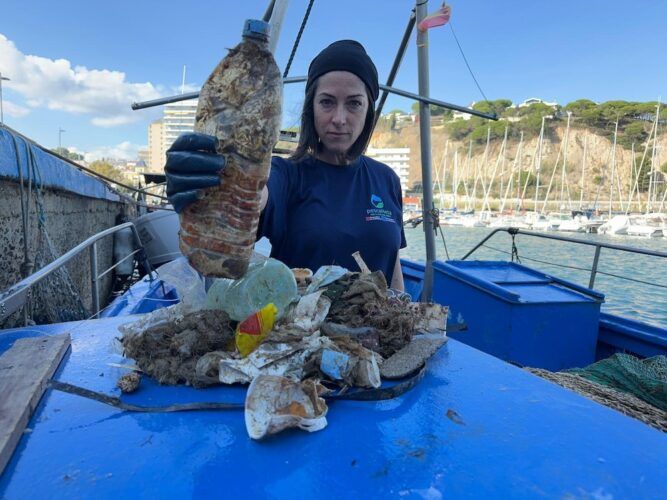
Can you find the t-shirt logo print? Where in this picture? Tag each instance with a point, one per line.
(376, 201)
(378, 211)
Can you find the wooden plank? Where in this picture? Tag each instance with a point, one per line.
(24, 371)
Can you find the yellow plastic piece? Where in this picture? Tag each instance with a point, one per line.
(251, 331)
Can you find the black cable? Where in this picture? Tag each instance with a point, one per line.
(298, 38)
(465, 59)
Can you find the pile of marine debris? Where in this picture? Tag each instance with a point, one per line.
(342, 330)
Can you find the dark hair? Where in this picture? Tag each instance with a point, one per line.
(309, 142)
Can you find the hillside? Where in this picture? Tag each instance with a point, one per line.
(598, 157)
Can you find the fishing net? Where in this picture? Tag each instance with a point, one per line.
(620, 401)
(643, 378)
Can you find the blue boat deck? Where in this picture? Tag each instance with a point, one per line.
(474, 426)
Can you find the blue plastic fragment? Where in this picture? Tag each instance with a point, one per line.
(335, 364)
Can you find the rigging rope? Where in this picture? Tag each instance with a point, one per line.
(298, 38)
(465, 59)
(578, 268)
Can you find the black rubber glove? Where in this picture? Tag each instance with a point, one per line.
(192, 165)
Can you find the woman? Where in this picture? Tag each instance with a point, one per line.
(327, 200)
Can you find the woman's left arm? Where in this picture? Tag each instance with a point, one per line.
(397, 279)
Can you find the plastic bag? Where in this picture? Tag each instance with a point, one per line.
(266, 282)
(324, 276)
(276, 403)
(187, 281)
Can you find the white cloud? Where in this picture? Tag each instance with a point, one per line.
(56, 85)
(123, 151)
(11, 109)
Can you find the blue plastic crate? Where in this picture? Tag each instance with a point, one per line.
(518, 314)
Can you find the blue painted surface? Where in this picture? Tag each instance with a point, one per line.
(625, 335)
(615, 334)
(51, 172)
(508, 434)
(143, 297)
(519, 314)
(413, 278)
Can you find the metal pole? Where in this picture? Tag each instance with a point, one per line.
(594, 270)
(277, 15)
(2, 114)
(299, 79)
(425, 141)
(60, 135)
(95, 291)
(396, 65)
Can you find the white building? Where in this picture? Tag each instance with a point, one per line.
(460, 115)
(155, 147)
(396, 158)
(535, 100)
(178, 118)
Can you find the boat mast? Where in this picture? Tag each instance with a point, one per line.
(466, 176)
(455, 178)
(538, 165)
(425, 143)
(501, 154)
(510, 180)
(583, 174)
(613, 168)
(562, 178)
(652, 193)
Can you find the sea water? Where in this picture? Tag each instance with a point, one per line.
(645, 302)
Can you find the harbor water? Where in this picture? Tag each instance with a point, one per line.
(642, 297)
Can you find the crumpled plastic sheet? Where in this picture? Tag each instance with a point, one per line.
(309, 313)
(324, 276)
(272, 357)
(276, 403)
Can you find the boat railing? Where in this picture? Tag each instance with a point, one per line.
(513, 231)
(15, 297)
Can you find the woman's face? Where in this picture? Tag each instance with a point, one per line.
(340, 107)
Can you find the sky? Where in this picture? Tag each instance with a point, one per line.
(78, 65)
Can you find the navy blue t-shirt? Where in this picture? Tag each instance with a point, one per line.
(319, 214)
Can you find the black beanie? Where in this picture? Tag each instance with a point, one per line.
(345, 55)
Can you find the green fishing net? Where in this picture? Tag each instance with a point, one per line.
(643, 378)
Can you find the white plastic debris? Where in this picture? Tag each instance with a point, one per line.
(276, 403)
(432, 318)
(273, 357)
(186, 280)
(311, 311)
(324, 276)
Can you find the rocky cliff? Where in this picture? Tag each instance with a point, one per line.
(599, 150)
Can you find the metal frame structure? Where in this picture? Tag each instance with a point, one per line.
(419, 12)
(598, 247)
(15, 297)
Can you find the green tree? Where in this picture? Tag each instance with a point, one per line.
(70, 155)
(435, 110)
(496, 107)
(459, 129)
(580, 106)
(642, 175)
(106, 169)
(634, 132)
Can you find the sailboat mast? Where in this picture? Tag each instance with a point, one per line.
(613, 169)
(562, 178)
(652, 173)
(583, 174)
(538, 165)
